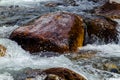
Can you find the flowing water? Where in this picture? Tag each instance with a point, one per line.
(18, 59)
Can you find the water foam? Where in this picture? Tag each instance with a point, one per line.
(6, 76)
(108, 50)
(6, 31)
(16, 59)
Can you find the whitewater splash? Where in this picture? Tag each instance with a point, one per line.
(16, 59)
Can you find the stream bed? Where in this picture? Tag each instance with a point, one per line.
(14, 13)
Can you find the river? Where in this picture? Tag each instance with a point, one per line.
(18, 59)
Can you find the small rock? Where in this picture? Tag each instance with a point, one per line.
(111, 67)
(2, 50)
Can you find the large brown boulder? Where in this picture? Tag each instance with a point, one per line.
(58, 32)
(102, 29)
(2, 50)
(110, 9)
(56, 74)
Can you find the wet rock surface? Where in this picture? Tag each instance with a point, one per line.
(111, 10)
(51, 32)
(64, 73)
(101, 29)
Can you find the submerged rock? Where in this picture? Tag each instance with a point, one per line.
(2, 50)
(109, 9)
(107, 66)
(82, 54)
(101, 29)
(58, 32)
(111, 67)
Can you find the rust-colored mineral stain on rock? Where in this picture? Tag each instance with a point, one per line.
(59, 32)
(2, 50)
